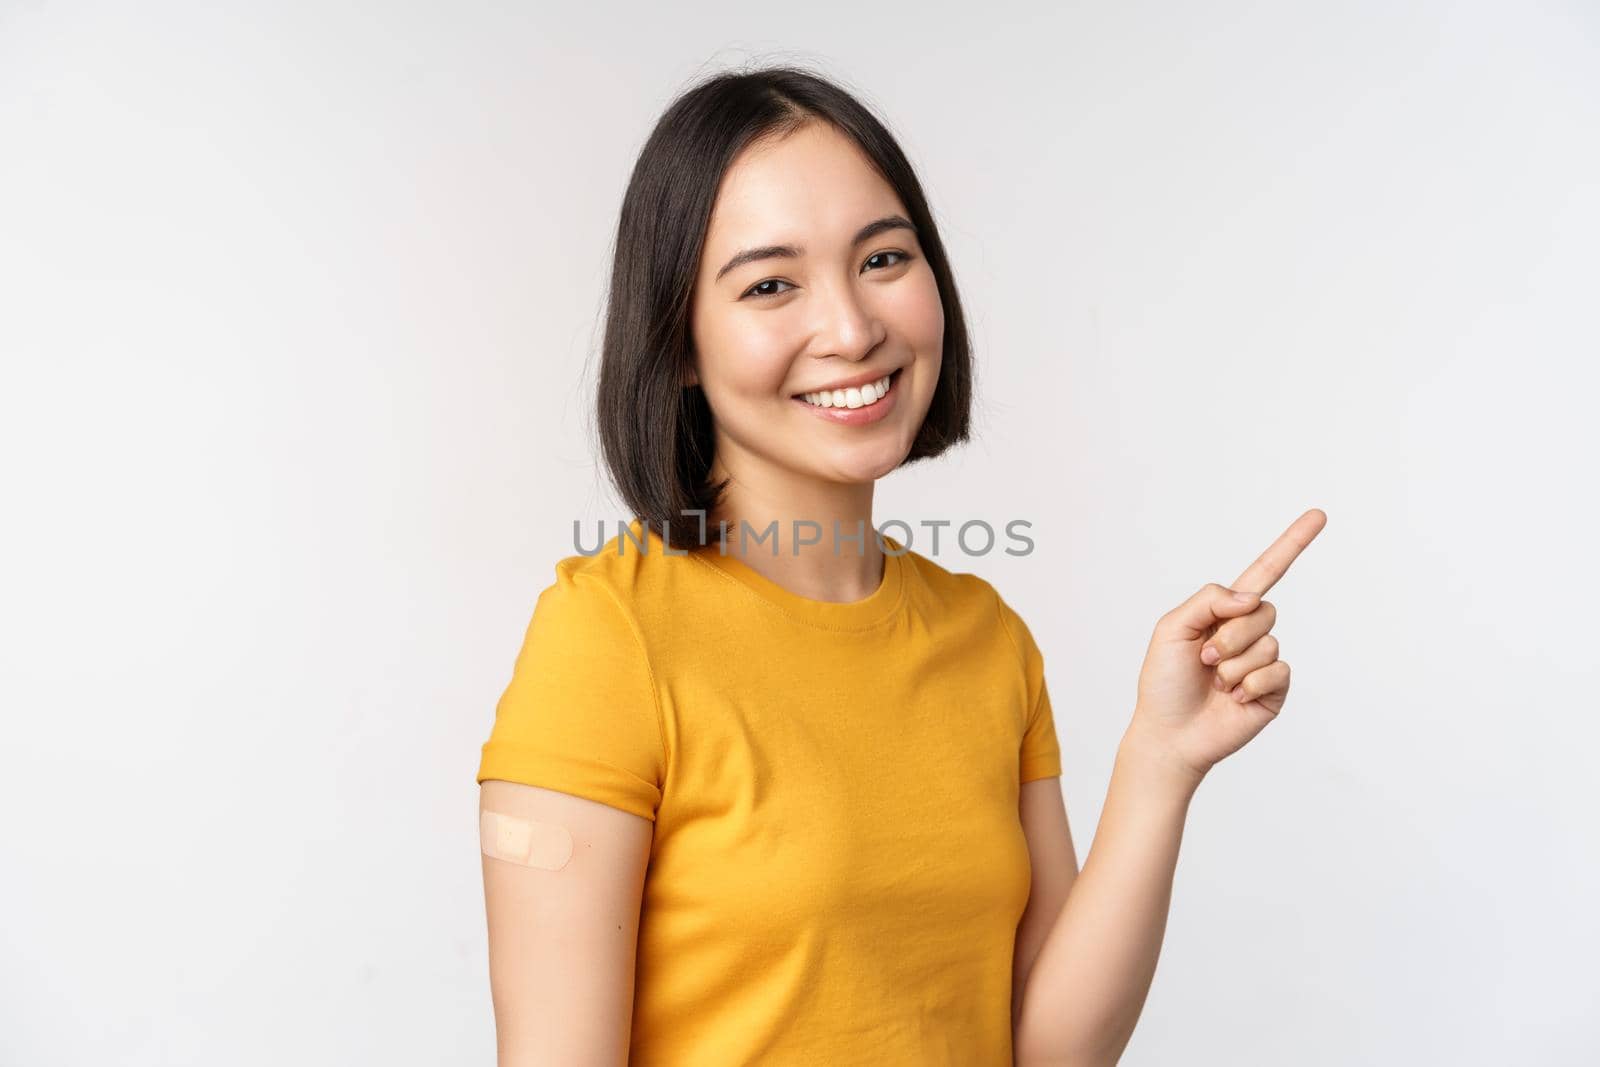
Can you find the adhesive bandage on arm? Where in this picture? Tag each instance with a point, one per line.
(530, 842)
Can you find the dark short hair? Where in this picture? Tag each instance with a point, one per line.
(655, 432)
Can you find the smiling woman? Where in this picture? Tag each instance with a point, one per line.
(813, 795)
(858, 307)
(774, 240)
(858, 303)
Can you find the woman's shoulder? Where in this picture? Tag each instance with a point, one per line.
(958, 594)
(633, 567)
(950, 588)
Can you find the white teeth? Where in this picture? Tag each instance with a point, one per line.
(864, 396)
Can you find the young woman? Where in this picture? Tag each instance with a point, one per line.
(798, 801)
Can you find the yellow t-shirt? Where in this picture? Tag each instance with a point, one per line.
(838, 867)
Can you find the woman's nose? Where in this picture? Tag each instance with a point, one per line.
(848, 326)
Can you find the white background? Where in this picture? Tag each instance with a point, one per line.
(299, 306)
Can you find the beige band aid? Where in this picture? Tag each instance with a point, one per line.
(526, 841)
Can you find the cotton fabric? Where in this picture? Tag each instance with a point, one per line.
(837, 868)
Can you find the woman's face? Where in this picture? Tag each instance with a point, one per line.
(836, 306)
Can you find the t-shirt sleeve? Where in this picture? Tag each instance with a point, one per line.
(580, 713)
(1040, 753)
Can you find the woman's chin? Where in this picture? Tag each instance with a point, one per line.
(861, 469)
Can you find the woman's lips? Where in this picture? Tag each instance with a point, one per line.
(863, 415)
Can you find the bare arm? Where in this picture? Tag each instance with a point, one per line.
(1089, 982)
(1054, 863)
(562, 943)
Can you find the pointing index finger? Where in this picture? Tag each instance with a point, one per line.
(1272, 564)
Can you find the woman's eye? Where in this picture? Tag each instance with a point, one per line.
(757, 289)
(903, 256)
(770, 281)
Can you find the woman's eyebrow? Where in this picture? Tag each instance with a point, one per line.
(866, 233)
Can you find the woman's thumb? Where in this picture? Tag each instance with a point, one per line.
(1211, 604)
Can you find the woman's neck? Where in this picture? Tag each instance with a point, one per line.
(817, 541)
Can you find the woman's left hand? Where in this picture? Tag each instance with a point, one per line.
(1212, 678)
